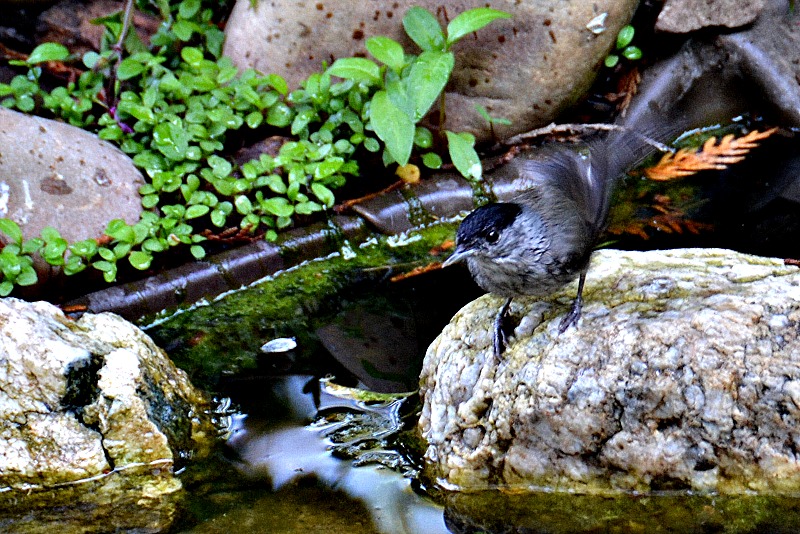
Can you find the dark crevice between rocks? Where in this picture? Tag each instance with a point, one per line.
(82, 390)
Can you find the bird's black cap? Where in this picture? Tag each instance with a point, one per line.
(486, 219)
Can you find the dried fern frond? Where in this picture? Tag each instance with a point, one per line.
(711, 156)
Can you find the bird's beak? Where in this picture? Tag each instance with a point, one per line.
(458, 255)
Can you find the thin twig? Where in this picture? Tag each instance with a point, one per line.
(554, 128)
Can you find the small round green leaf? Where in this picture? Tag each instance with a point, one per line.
(129, 68)
(632, 53)
(625, 36)
(140, 260)
(432, 160)
(198, 210)
(192, 55)
(6, 287)
(280, 115)
(423, 138)
(278, 206)
(324, 194)
(243, 205)
(197, 251)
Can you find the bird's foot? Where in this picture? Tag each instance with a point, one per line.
(500, 337)
(572, 317)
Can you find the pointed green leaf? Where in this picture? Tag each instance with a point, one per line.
(48, 52)
(429, 74)
(424, 29)
(387, 51)
(399, 95)
(462, 152)
(278, 83)
(393, 126)
(129, 68)
(472, 21)
(11, 229)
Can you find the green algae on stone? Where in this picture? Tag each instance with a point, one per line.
(224, 336)
(569, 513)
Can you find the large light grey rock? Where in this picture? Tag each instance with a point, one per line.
(526, 69)
(94, 416)
(684, 373)
(54, 174)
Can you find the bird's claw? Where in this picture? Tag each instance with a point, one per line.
(571, 318)
(499, 338)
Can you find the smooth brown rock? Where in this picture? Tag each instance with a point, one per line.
(54, 174)
(526, 69)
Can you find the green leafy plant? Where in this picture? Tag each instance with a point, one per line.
(624, 48)
(172, 106)
(406, 86)
(491, 121)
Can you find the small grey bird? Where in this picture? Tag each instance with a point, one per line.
(544, 237)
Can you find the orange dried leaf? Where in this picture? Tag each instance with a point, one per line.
(711, 156)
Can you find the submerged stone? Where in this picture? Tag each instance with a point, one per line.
(683, 374)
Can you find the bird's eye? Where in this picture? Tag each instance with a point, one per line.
(492, 236)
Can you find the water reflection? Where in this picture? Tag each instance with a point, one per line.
(285, 450)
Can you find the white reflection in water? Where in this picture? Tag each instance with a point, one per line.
(290, 452)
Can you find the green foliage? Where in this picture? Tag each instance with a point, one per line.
(173, 106)
(624, 48)
(405, 88)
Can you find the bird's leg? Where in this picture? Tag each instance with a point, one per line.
(499, 337)
(575, 313)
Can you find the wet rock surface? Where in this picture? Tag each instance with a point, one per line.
(94, 416)
(684, 374)
(527, 69)
(53, 174)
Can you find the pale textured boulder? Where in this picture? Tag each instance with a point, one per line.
(54, 174)
(93, 418)
(684, 373)
(526, 69)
